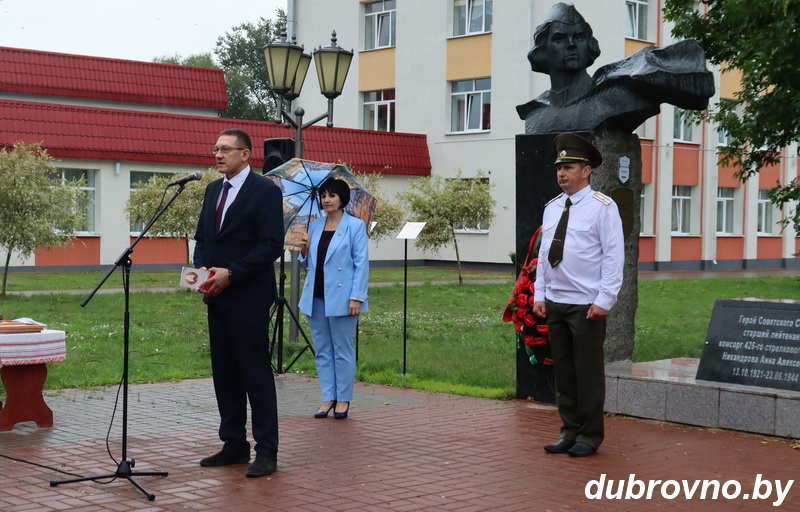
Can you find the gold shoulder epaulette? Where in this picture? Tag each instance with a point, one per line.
(550, 201)
(602, 197)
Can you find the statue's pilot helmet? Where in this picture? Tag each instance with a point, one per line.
(574, 148)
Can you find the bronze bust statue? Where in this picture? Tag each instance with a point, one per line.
(620, 96)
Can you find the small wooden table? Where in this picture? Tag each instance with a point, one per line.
(23, 358)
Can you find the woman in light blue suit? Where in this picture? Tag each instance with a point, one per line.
(335, 292)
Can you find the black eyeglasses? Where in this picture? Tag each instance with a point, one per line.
(224, 150)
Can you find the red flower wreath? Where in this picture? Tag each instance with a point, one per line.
(520, 309)
(532, 332)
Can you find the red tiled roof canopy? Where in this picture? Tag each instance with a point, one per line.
(125, 135)
(79, 76)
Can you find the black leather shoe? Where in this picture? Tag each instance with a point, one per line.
(560, 446)
(262, 466)
(582, 450)
(224, 458)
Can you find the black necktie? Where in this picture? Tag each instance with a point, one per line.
(557, 247)
(221, 205)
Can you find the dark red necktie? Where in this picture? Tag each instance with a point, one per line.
(221, 205)
(556, 253)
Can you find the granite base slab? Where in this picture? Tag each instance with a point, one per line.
(668, 390)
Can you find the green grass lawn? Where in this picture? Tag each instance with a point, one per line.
(88, 280)
(456, 340)
(673, 315)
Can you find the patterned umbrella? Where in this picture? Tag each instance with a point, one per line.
(299, 181)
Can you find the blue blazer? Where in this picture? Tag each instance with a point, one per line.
(250, 240)
(346, 266)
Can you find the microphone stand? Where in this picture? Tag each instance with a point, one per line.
(124, 468)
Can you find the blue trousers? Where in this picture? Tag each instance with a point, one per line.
(335, 355)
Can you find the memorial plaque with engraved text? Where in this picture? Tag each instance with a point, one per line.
(753, 342)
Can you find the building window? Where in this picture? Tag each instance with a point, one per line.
(471, 105)
(380, 24)
(723, 139)
(642, 206)
(86, 202)
(479, 228)
(138, 179)
(683, 125)
(645, 210)
(766, 225)
(636, 20)
(725, 205)
(379, 110)
(472, 17)
(681, 209)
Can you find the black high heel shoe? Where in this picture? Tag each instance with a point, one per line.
(341, 415)
(324, 414)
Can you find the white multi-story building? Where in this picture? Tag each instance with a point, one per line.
(455, 70)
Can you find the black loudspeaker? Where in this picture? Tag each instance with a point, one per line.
(276, 152)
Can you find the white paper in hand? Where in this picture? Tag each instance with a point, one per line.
(192, 278)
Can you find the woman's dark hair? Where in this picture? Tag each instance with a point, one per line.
(338, 187)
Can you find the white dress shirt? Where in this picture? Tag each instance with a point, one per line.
(594, 251)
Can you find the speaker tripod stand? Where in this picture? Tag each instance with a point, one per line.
(125, 466)
(277, 315)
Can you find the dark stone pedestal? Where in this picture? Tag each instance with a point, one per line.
(534, 381)
(622, 160)
(536, 185)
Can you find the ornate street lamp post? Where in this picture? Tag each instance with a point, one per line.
(287, 66)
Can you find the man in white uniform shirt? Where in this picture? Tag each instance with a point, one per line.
(577, 281)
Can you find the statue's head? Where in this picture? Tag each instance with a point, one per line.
(564, 40)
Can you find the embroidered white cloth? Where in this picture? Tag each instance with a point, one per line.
(47, 346)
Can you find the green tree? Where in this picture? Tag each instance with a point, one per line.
(199, 60)
(389, 215)
(448, 205)
(180, 219)
(36, 208)
(241, 54)
(760, 38)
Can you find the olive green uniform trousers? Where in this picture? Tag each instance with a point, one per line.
(577, 347)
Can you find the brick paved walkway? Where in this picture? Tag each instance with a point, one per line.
(400, 450)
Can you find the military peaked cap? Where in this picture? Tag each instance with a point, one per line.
(574, 148)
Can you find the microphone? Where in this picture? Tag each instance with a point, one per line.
(196, 175)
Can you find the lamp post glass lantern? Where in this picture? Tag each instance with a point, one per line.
(287, 66)
(299, 78)
(332, 63)
(282, 59)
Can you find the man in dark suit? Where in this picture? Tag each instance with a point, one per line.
(239, 236)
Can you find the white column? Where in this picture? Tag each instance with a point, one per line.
(663, 180)
(751, 218)
(788, 173)
(111, 195)
(710, 181)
